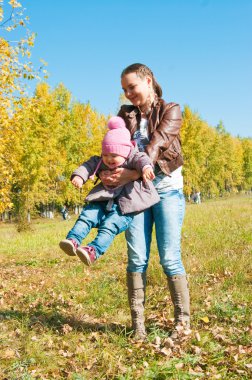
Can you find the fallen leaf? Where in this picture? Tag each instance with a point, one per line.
(166, 351)
(249, 366)
(240, 371)
(220, 338)
(179, 365)
(157, 341)
(66, 354)
(187, 332)
(196, 350)
(236, 358)
(90, 365)
(197, 336)
(66, 329)
(194, 373)
(18, 332)
(242, 350)
(94, 336)
(205, 319)
(80, 349)
(9, 353)
(168, 342)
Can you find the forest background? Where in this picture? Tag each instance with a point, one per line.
(45, 136)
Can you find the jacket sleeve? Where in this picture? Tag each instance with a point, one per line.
(87, 168)
(125, 108)
(140, 160)
(163, 136)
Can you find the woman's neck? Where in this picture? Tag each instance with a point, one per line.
(145, 109)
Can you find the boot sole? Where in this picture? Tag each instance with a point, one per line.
(67, 247)
(83, 256)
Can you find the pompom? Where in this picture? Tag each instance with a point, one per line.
(116, 122)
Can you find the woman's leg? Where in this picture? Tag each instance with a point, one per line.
(138, 238)
(168, 216)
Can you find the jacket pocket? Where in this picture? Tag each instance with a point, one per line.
(138, 196)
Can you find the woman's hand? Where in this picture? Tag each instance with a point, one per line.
(118, 177)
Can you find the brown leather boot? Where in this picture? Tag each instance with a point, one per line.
(136, 283)
(179, 290)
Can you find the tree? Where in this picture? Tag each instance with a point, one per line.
(196, 140)
(247, 163)
(15, 66)
(52, 137)
(214, 160)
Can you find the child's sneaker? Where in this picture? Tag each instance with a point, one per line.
(86, 254)
(69, 246)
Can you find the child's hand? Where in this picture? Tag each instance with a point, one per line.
(77, 181)
(148, 173)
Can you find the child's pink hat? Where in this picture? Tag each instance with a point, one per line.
(117, 140)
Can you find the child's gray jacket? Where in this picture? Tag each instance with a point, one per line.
(135, 196)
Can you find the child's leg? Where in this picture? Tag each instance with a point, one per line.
(90, 217)
(111, 225)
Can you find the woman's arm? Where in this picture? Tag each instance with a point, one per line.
(118, 177)
(166, 132)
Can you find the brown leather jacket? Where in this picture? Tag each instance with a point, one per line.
(164, 125)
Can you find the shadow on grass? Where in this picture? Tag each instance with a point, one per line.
(39, 320)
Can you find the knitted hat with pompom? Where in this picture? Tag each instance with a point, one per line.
(117, 140)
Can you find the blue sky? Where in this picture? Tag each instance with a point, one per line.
(199, 50)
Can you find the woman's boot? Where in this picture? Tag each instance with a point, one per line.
(179, 290)
(136, 283)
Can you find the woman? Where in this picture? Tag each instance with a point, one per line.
(155, 126)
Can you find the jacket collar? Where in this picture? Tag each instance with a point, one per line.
(135, 110)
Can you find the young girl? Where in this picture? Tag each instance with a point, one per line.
(110, 208)
(155, 126)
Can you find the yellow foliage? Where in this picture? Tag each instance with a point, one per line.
(213, 158)
(15, 4)
(45, 137)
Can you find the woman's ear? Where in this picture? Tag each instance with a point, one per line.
(149, 80)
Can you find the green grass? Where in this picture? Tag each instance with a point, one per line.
(62, 320)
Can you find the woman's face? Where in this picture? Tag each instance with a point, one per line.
(136, 89)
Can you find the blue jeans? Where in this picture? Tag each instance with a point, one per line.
(109, 223)
(168, 217)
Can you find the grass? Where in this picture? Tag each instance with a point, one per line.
(61, 320)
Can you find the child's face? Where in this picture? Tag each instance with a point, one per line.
(112, 160)
(136, 89)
